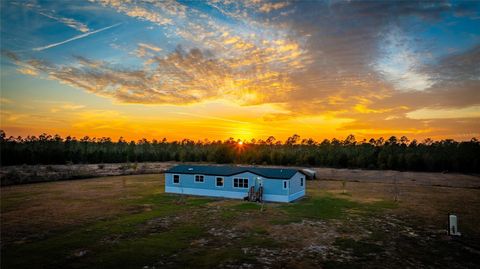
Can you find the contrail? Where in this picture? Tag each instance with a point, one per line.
(75, 38)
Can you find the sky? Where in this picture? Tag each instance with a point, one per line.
(242, 69)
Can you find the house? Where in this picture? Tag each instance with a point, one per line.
(267, 184)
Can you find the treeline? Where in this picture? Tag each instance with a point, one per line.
(393, 153)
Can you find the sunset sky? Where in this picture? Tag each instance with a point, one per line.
(241, 69)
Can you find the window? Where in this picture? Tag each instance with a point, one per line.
(199, 179)
(240, 182)
(219, 182)
(301, 181)
(285, 184)
(176, 179)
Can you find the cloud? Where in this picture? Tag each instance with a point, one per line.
(67, 21)
(142, 13)
(146, 50)
(5, 101)
(211, 117)
(66, 107)
(400, 65)
(72, 23)
(202, 30)
(181, 77)
(8, 116)
(461, 66)
(75, 38)
(459, 113)
(101, 120)
(362, 63)
(267, 7)
(27, 71)
(159, 12)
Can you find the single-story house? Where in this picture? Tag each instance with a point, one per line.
(271, 184)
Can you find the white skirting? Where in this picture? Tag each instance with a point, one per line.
(233, 194)
(205, 192)
(295, 196)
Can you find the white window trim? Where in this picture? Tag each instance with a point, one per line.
(283, 184)
(223, 180)
(233, 183)
(198, 182)
(173, 179)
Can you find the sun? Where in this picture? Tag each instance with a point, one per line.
(240, 147)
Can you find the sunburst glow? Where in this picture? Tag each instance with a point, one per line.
(241, 69)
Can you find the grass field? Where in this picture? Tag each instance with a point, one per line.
(129, 222)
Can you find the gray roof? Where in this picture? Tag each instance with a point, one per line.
(224, 170)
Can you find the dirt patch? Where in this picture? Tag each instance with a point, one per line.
(429, 205)
(306, 233)
(36, 210)
(127, 221)
(403, 178)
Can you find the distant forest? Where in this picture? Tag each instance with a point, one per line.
(392, 153)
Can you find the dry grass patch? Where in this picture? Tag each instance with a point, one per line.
(127, 221)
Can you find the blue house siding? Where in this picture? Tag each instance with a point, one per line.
(273, 188)
(296, 190)
(188, 181)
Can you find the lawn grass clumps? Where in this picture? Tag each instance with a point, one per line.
(238, 208)
(260, 241)
(359, 249)
(213, 258)
(247, 206)
(226, 215)
(378, 206)
(130, 248)
(169, 201)
(316, 208)
(327, 207)
(146, 250)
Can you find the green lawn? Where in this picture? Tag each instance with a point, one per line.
(154, 229)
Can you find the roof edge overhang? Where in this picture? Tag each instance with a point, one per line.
(229, 175)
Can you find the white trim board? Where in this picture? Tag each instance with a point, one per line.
(232, 194)
(295, 196)
(205, 192)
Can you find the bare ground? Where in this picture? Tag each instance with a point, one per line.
(18, 174)
(404, 178)
(21, 174)
(112, 221)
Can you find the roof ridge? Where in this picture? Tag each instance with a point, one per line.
(230, 170)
